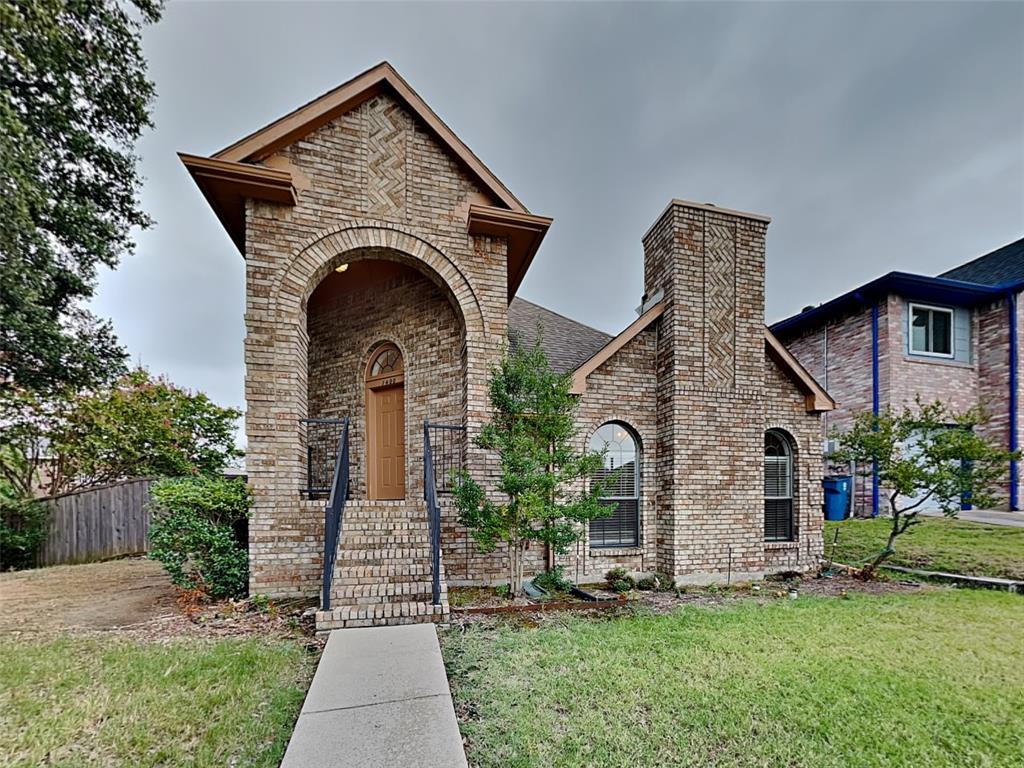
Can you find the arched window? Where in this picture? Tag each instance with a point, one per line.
(778, 486)
(621, 478)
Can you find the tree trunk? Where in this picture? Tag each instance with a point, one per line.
(868, 571)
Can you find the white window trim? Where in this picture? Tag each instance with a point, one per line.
(911, 306)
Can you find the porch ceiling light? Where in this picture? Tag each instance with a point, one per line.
(341, 268)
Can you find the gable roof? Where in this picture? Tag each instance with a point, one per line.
(815, 396)
(601, 356)
(260, 144)
(565, 342)
(238, 172)
(1003, 265)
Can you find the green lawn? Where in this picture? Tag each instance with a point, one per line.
(934, 679)
(87, 701)
(937, 544)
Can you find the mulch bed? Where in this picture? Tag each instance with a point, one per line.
(531, 615)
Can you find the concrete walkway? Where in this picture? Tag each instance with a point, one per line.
(988, 516)
(380, 697)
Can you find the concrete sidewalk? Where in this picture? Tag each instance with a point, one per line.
(380, 697)
(989, 516)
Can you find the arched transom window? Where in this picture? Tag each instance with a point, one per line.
(388, 360)
(620, 476)
(778, 487)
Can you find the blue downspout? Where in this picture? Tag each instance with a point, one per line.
(875, 401)
(1011, 300)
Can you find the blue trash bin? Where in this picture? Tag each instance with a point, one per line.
(837, 496)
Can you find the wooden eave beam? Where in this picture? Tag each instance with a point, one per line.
(226, 185)
(816, 399)
(524, 232)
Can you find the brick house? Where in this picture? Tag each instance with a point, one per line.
(952, 338)
(382, 264)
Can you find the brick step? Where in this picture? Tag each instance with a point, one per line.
(346, 555)
(358, 573)
(383, 588)
(381, 614)
(348, 579)
(384, 541)
(385, 513)
(383, 526)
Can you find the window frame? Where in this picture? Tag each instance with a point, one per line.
(911, 306)
(637, 498)
(790, 456)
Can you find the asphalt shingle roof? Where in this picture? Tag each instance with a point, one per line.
(1003, 265)
(566, 342)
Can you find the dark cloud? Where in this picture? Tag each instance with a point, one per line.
(877, 136)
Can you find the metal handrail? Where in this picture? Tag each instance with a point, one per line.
(319, 460)
(433, 509)
(333, 514)
(433, 516)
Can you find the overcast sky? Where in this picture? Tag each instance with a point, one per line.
(876, 136)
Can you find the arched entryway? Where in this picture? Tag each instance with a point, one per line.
(385, 424)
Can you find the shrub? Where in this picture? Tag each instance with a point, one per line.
(193, 534)
(23, 527)
(553, 580)
(647, 583)
(619, 580)
(666, 583)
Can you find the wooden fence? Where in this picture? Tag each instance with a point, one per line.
(98, 523)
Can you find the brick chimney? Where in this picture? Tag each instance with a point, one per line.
(709, 261)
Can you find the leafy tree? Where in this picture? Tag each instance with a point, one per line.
(925, 453)
(544, 478)
(195, 534)
(74, 98)
(140, 426)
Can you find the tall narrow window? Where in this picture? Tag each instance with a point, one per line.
(931, 330)
(778, 487)
(620, 476)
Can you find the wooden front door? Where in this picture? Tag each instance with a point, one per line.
(385, 425)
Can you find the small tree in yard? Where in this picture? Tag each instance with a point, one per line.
(922, 454)
(544, 478)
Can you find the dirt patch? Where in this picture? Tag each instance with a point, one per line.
(94, 596)
(132, 596)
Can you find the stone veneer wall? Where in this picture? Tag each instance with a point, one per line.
(372, 177)
(345, 330)
(710, 390)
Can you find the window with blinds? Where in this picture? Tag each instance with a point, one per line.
(778, 487)
(620, 477)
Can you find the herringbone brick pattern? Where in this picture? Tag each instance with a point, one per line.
(720, 307)
(385, 127)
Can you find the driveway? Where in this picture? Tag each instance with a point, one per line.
(988, 516)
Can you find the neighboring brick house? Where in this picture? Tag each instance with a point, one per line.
(382, 264)
(953, 338)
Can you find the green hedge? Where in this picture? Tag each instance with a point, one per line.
(193, 534)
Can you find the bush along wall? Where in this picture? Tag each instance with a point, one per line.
(193, 534)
